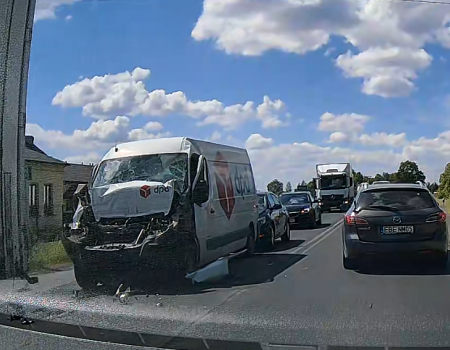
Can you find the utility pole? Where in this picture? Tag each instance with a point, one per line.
(16, 24)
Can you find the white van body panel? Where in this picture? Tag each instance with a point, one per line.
(231, 209)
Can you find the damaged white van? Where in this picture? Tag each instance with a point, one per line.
(164, 205)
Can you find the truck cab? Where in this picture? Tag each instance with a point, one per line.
(334, 186)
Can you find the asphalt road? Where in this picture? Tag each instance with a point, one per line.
(297, 294)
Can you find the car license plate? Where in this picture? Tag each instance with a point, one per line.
(291, 220)
(395, 230)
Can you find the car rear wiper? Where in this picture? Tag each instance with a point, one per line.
(379, 207)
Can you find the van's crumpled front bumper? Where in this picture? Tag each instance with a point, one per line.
(159, 254)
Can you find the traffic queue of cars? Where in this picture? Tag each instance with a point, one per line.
(174, 205)
(277, 214)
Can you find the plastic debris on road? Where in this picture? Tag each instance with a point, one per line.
(213, 271)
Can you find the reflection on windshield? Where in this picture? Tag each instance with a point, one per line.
(295, 199)
(160, 168)
(395, 200)
(327, 183)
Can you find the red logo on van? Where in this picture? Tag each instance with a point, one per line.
(224, 185)
(145, 191)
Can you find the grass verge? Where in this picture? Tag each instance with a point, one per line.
(47, 256)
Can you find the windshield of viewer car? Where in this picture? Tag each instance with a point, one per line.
(399, 199)
(295, 199)
(160, 168)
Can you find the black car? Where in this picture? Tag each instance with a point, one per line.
(273, 221)
(303, 209)
(393, 219)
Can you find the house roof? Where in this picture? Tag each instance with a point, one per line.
(77, 173)
(35, 154)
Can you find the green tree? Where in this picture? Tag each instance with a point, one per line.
(310, 187)
(378, 177)
(358, 177)
(288, 187)
(444, 183)
(275, 186)
(386, 176)
(408, 172)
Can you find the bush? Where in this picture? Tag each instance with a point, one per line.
(46, 256)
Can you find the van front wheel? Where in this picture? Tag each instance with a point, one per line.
(251, 244)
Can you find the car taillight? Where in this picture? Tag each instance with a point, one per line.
(442, 217)
(353, 220)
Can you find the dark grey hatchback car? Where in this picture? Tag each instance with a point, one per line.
(394, 219)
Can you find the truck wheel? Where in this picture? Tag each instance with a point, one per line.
(85, 276)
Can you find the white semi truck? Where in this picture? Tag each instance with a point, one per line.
(335, 186)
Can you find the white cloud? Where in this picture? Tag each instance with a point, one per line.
(386, 72)
(257, 141)
(46, 9)
(125, 93)
(68, 17)
(251, 27)
(338, 136)
(383, 139)
(307, 155)
(99, 134)
(88, 158)
(390, 36)
(141, 134)
(153, 126)
(345, 123)
(216, 136)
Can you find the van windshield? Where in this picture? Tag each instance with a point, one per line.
(156, 167)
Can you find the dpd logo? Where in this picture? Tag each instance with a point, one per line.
(224, 185)
(145, 191)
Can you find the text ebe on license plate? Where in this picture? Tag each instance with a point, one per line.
(392, 230)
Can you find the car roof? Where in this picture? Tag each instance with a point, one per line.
(298, 192)
(393, 186)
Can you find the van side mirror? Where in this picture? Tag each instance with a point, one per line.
(200, 194)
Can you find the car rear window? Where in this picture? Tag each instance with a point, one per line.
(400, 199)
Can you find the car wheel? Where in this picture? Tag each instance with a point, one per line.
(349, 263)
(314, 222)
(251, 244)
(85, 276)
(270, 241)
(287, 234)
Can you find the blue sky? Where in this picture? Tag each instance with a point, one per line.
(392, 81)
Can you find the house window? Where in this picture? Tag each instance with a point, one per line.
(28, 173)
(33, 199)
(48, 199)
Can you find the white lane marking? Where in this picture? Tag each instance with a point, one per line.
(309, 243)
(319, 241)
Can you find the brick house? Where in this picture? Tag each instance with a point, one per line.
(45, 181)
